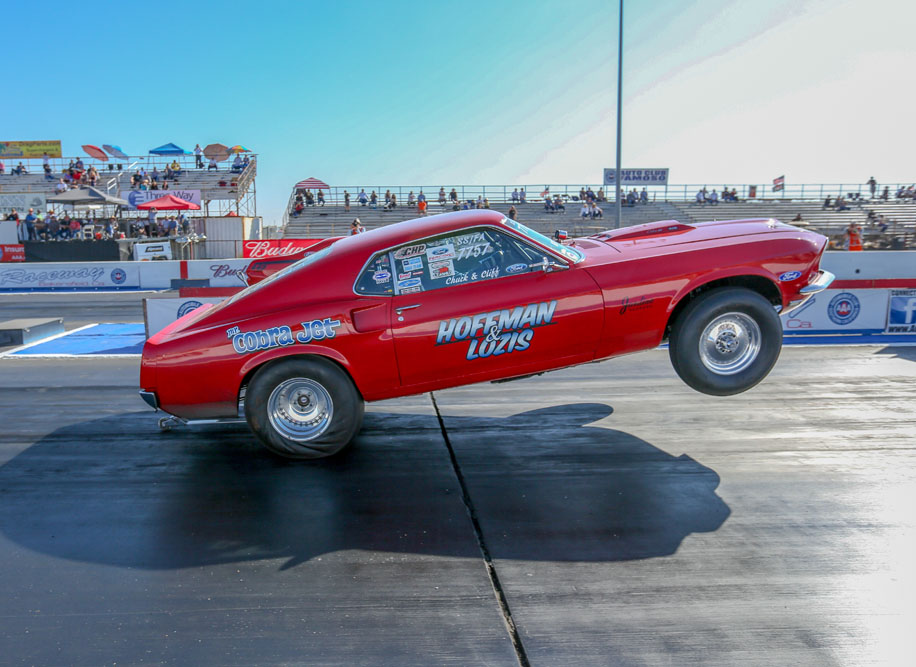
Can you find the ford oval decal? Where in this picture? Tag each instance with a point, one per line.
(790, 275)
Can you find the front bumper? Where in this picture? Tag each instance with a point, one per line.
(819, 284)
(150, 398)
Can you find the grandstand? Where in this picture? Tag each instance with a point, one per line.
(332, 220)
(221, 191)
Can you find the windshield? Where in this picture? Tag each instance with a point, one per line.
(296, 266)
(572, 254)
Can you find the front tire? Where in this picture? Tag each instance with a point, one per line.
(303, 408)
(725, 341)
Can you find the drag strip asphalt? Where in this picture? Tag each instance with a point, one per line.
(607, 513)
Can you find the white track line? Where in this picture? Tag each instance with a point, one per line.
(45, 340)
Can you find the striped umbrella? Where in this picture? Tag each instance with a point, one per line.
(238, 148)
(312, 183)
(96, 152)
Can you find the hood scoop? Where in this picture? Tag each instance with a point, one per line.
(650, 230)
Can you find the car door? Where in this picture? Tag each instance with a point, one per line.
(484, 304)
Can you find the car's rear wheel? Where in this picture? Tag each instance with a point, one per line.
(725, 341)
(303, 408)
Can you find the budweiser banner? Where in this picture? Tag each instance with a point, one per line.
(275, 247)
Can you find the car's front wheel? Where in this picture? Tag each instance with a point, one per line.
(303, 408)
(725, 341)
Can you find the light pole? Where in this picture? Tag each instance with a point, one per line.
(619, 113)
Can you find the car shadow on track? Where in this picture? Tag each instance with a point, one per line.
(115, 491)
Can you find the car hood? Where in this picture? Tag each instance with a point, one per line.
(672, 232)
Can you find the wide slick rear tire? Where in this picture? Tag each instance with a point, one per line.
(303, 408)
(725, 341)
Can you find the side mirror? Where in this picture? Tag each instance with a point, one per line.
(548, 266)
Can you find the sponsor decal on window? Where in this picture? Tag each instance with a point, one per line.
(244, 342)
(410, 251)
(410, 282)
(497, 332)
(381, 277)
(439, 270)
(412, 264)
(439, 253)
(516, 268)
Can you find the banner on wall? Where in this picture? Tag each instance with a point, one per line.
(220, 272)
(275, 247)
(12, 253)
(70, 276)
(901, 311)
(135, 197)
(159, 313)
(29, 149)
(840, 311)
(637, 176)
(22, 202)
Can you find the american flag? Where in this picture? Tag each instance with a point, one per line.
(779, 183)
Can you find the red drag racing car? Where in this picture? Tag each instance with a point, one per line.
(473, 296)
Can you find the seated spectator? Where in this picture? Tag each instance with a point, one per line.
(53, 227)
(92, 175)
(600, 195)
(61, 186)
(442, 196)
(558, 203)
(841, 204)
(410, 199)
(393, 202)
(548, 205)
(356, 226)
(213, 165)
(521, 195)
(176, 168)
(479, 202)
(797, 218)
(589, 194)
(75, 228)
(512, 213)
(644, 196)
(79, 164)
(453, 195)
(41, 228)
(885, 193)
(701, 196)
(373, 200)
(154, 186)
(48, 175)
(237, 164)
(631, 198)
(20, 170)
(387, 197)
(309, 198)
(421, 207)
(515, 195)
(321, 197)
(486, 203)
(714, 197)
(111, 227)
(828, 203)
(154, 175)
(245, 163)
(584, 211)
(421, 197)
(362, 198)
(595, 211)
(582, 194)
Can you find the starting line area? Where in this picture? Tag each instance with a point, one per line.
(127, 339)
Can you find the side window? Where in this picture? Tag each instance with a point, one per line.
(376, 278)
(463, 257)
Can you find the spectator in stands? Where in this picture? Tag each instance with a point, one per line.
(595, 211)
(64, 223)
(479, 202)
(853, 237)
(584, 211)
(392, 202)
(214, 165)
(521, 196)
(701, 196)
(110, 227)
(514, 195)
(841, 204)
(632, 197)
(442, 196)
(797, 218)
(453, 196)
(321, 197)
(872, 185)
(885, 194)
(237, 164)
(486, 203)
(154, 175)
(356, 227)
(828, 203)
(512, 214)
(75, 228)
(79, 164)
(198, 156)
(309, 198)
(176, 168)
(421, 197)
(373, 200)
(644, 196)
(410, 199)
(714, 197)
(387, 197)
(558, 204)
(600, 195)
(362, 198)
(29, 220)
(154, 186)
(151, 224)
(548, 205)
(421, 206)
(171, 226)
(41, 229)
(346, 201)
(53, 227)
(20, 170)
(92, 175)
(48, 175)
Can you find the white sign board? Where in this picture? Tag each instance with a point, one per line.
(135, 197)
(220, 272)
(70, 276)
(839, 311)
(159, 313)
(144, 252)
(637, 176)
(22, 202)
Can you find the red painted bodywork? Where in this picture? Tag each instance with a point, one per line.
(619, 299)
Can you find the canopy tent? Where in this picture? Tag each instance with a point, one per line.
(169, 149)
(95, 151)
(168, 203)
(312, 183)
(84, 196)
(115, 151)
(217, 152)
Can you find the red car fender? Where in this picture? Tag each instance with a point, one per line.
(254, 362)
(721, 274)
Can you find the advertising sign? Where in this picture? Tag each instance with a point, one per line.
(12, 253)
(144, 252)
(159, 313)
(637, 176)
(901, 311)
(135, 197)
(275, 247)
(22, 202)
(29, 149)
(839, 311)
(220, 272)
(70, 276)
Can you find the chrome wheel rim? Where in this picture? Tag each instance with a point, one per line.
(300, 409)
(730, 343)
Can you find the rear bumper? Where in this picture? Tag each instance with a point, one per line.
(150, 398)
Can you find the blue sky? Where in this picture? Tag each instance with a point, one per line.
(431, 93)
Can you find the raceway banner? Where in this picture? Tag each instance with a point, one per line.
(901, 311)
(70, 276)
(135, 197)
(275, 247)
(840, 311)
(12, 253)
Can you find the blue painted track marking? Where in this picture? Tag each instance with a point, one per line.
(94, 340)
